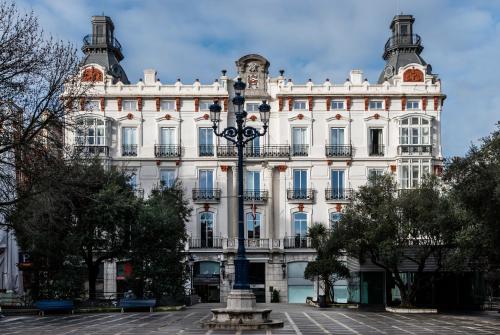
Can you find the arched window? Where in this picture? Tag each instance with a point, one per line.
(90, 131)
(300, 229)
(253, 225)
(415, 130)
(207, 229)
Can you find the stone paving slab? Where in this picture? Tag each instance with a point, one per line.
(298, 319)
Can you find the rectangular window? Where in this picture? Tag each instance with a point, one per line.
(299, 141)
(412, 105)
(376, 147)
(414, 131)
(205, 105)
(129, 141)
(167, 105)
(252, 148)
(299, 105)
(252, 107)
(334, 220)
(129, 105)
(375, 172)
(337, 182)
(132, 179)
(167, 177)
(205, 138)
(411, 172)
(376, 104)
(337, 105)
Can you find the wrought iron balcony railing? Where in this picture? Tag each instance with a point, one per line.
(206, 150)
(300, 150)
(255, 195)
(91, 40)
(268, 151)
(297, 242)
(205, 243)
(167, 150)
(200, 194)
(338, 151)
(300, 194)
(376, 150)
(92, 149)
(338, 194)
(414, 149)
(403, 40)
(129, 150)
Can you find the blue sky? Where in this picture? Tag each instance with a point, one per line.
(191, 39)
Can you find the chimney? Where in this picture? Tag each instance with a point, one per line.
(149, 76)
(356, 77)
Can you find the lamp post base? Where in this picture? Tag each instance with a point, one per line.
(241, 313)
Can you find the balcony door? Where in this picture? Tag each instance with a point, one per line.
(206, 183)
(300, 184)
(376, 142)
(337, 182)
(337, 136)
(207, 229)
(253, 225)
(129, 141)
(252, 148)
(300, 229)
(299, 141)
(167, 136)
(253, 184)
(206, 141)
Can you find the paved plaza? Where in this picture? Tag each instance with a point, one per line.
(299, 319)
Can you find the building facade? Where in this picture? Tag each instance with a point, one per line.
(324, 141)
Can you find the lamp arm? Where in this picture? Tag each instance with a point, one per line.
(228, 133)
(252, 133)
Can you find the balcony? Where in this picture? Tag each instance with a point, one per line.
(208, 243)
(97, 150)
(300, 194)
(300, 150)
(297, 242)
(206, 150)
(206, 195)
(338, 151)
(401, 41)
(268, 151)
(416, 150)
(336, 194)
(167, 151)
(129, 150)
(255, 196)
(376, 150)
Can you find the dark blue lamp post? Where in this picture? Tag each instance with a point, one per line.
(240, 136)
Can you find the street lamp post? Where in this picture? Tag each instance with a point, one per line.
(240, 136)
(241, 311)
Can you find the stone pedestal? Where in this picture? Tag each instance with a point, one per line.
(241, 313)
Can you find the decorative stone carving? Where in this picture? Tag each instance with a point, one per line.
(290, 104)
(224, 168)
(226, 104)
(130, 116)
(403, 103)
(158, 104)
(387, 103)
(119, 103)
(367, 103)
(139, 104)
(300, 116)
(92, 74)
(282, 168)
(328, 103)
(280, 104)
(310, 103)
(178, 104)
(101, 100)
(436, 103)
(196, 104)
(348, 103)
(413, 75)
(424, 103)
(253, 70)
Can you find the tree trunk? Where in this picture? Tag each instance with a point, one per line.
(92, 270)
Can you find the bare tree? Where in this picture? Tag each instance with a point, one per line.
(35, 71)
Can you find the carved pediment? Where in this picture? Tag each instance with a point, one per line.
(253, 70)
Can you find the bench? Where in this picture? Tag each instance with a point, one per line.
(137, 303)
(54, 305)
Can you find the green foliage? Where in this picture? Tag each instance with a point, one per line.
(275, 297)
(474, 182)
(81, 215)
(391, 227)
(157, 244)
(328, 265)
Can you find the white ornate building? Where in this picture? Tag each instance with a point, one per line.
(324, 140)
